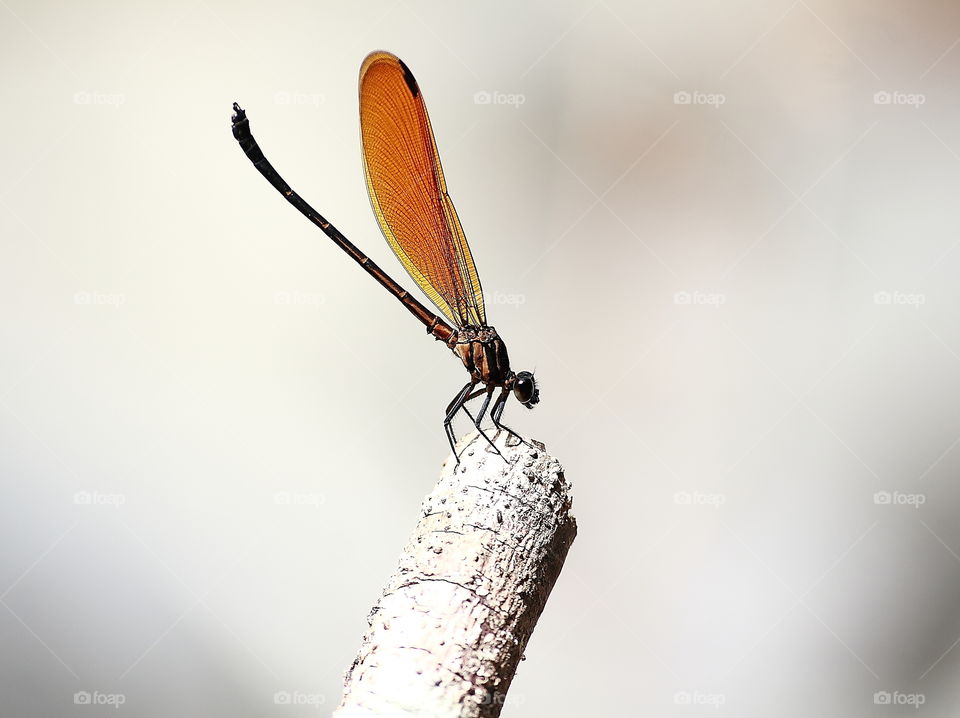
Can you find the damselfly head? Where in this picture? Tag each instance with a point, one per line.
(525, 389)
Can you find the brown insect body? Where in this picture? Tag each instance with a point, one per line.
(484, 355)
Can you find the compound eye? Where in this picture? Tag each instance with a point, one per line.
(523, 389)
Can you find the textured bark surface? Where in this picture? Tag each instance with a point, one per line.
(447, 634)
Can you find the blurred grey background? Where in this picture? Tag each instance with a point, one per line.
(724, 234)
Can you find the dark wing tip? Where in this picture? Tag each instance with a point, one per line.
(409, 78)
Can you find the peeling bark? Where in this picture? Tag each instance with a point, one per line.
(448, 633)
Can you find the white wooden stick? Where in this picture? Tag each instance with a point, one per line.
(448, 633)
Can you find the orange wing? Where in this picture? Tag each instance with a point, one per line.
(408, 193)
